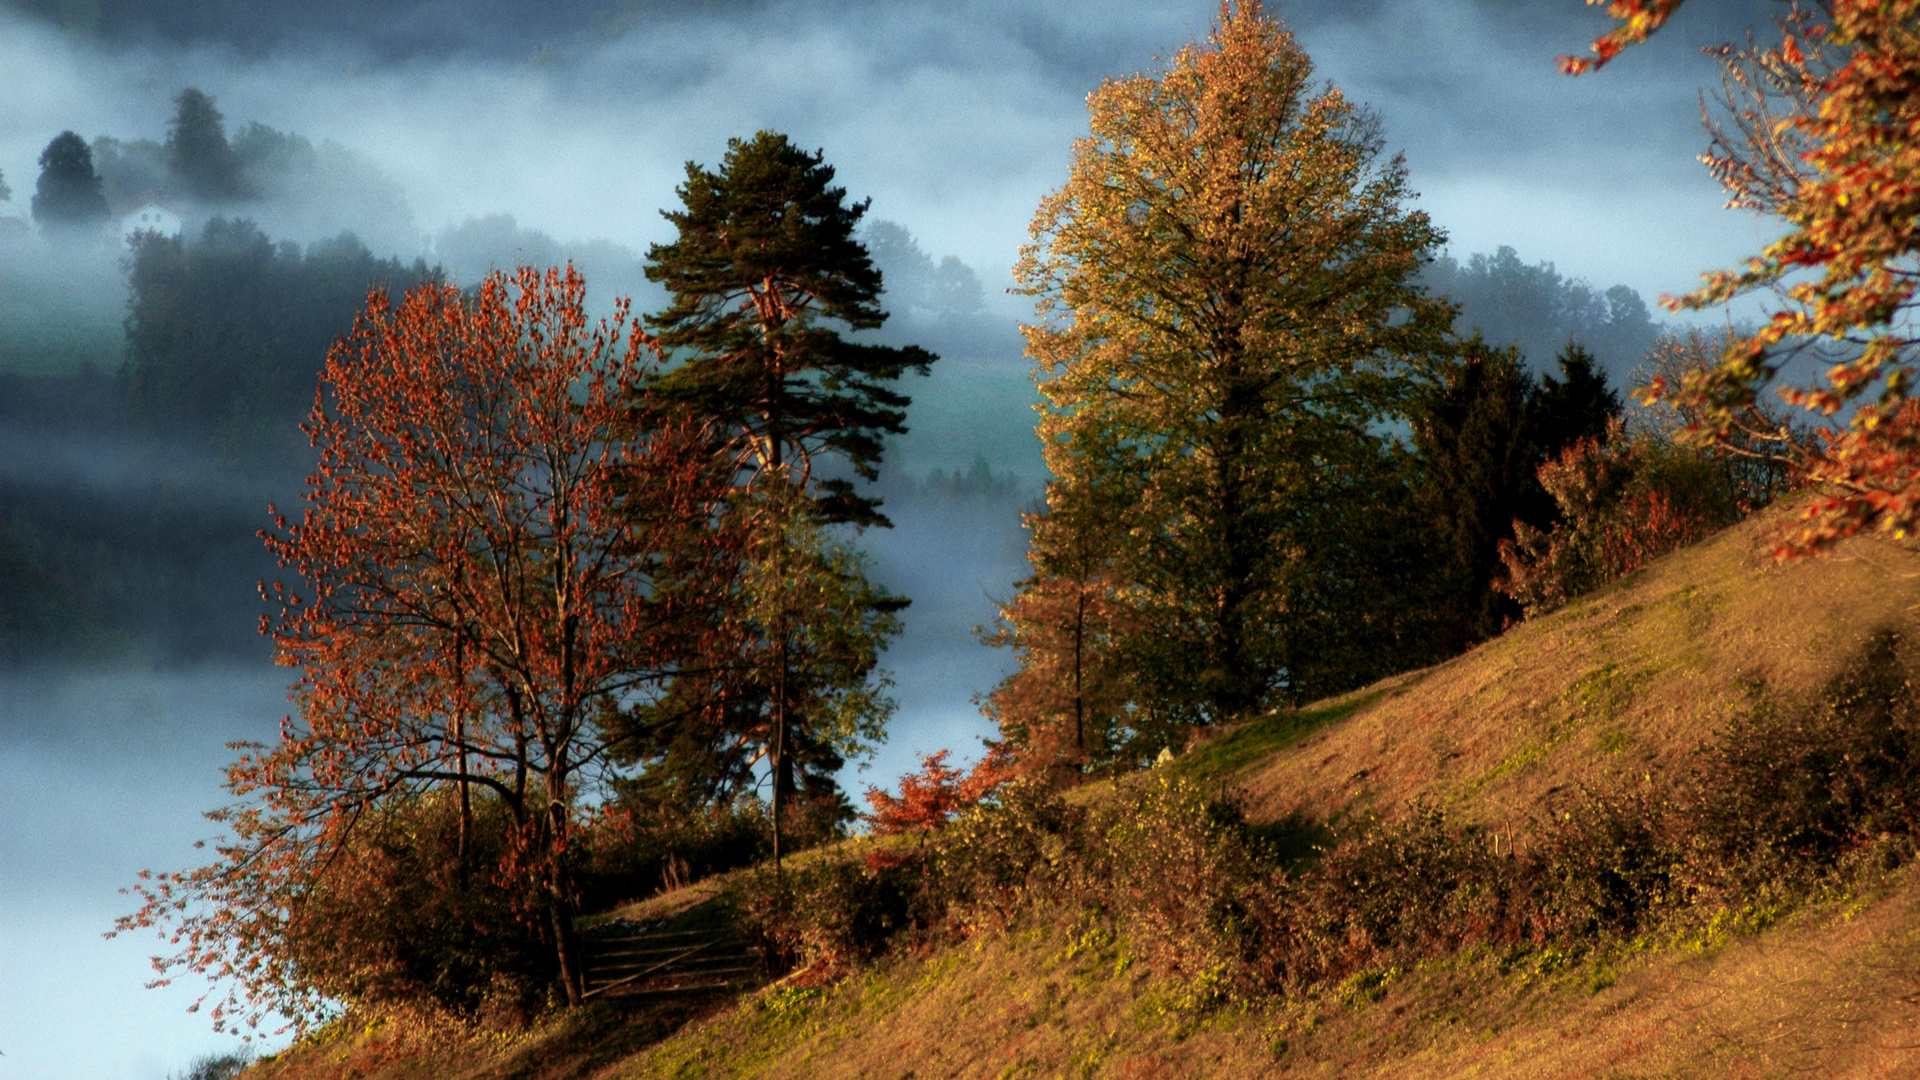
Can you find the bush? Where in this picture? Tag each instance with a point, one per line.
(1780, 797)
(638, 851)
(401, 917)
(1802, 787)
(1175, 870)
(837, 909)
(1623, 502)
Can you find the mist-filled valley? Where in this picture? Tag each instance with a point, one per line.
(155, 371)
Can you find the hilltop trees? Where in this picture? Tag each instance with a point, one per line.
(68, 197)
(199, 159)
(1228, 310)
(227, 332)
(475, 580)
(765, 264)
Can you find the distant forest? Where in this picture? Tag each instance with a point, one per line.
(150, 396)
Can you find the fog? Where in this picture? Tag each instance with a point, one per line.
(476, 133)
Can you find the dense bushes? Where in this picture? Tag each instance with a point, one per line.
(633, 853)
(402, 916)
(1783, 798)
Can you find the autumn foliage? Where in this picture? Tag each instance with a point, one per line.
(475, 575)
(1822, 130)
(931, 797)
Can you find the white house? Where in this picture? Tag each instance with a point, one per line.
(147, 212)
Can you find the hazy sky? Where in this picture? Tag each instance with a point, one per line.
(955, 116)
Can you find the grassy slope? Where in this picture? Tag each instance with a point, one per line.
(1625, 681)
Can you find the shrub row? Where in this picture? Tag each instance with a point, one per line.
(1779, 800)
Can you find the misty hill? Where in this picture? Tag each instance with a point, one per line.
(1533, 307)
(1701, 666)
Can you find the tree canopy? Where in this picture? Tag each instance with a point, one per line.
(201, 163)
(474, 584)
(68, 195)
(1228, 310)
(1819, 130)
(765, 262)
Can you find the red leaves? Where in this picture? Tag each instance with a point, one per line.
(1822, 130)
(1637, 18)
(928, 799)
(476, 569)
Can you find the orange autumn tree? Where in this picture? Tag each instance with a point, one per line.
(474, 578)
(1821, 130)
(932, 796)
(1064, 711)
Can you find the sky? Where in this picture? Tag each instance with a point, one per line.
(955, 117)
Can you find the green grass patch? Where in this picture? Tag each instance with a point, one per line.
(1255, 741)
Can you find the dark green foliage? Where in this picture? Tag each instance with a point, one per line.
(1480, 463)
(68, 196)
(766, 259)
(226, 334)
(199, 162)
(5, 191)
(1577, 405)
(1483, 433)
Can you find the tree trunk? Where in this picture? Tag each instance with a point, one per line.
(566, 942)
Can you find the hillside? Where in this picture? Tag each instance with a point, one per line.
(1617, 689)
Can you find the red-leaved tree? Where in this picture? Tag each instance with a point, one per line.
(475, 576)
(936, 793)
(1821, 130)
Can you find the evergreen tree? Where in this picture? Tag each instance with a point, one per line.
(1578, 405)
(1479, 460)
(6, 192)
(198, 158)
(1227, 286)
(68, 196)
(765, 262)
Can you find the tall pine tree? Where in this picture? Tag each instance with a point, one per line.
(767, 276)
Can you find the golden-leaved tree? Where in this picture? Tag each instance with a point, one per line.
(1227, 314)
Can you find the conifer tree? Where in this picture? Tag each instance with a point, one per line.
(765, 274)
(1479, 460)
(1228, 310)
(765, 264)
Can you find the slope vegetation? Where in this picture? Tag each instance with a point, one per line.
(1624, 686)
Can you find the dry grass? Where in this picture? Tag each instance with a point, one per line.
(1830, 993)
(1624, 681)
(1627, 681)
